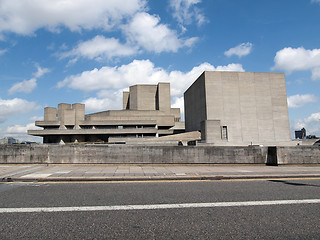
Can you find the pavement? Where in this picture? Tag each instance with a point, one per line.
(132, 172)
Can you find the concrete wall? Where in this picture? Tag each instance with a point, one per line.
(143, 97)
(155, 154)
(50, 114)
(253, 106)
(195, 105)
(130, 154)
(298, 155)
(148, 97)
(211, 130)
(126, 100)
(163, 97)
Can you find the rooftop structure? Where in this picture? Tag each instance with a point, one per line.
(238, 107)
(300, 134)
(146, 113)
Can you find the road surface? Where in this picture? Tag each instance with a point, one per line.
(251, 209)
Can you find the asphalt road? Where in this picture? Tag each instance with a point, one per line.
(276, 221)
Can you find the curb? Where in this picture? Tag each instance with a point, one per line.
(154, 178)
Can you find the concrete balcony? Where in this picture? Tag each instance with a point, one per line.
(117, 122)
(47, 123)
(92, 131)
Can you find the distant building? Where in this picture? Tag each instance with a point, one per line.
(146, 113)
(8, 140)
(300, 134)
(238, 107)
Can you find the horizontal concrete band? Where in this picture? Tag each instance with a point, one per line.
(158, 154)
(158, 206)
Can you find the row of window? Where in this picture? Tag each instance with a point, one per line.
(105, 127)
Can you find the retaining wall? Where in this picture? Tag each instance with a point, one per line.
(130, 154)
(157, 154)
(299, 155)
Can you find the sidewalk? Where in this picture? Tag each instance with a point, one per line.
(113, 172)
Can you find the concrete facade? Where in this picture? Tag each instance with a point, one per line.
(238, 107)
(146, 113)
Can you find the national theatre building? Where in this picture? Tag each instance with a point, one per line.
(146, 113)
(227, 108)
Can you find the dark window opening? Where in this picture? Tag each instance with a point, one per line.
(224, 133)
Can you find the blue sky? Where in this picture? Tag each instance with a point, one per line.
(89, 51)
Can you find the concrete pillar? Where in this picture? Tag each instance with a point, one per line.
(79, 113)
(163, 97)
(50, 114)
(126, 100)
(61, 113)
(133, 103)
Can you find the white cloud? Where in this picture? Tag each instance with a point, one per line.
(311, 124)
(110, 81)
(179, 103)
(40, 71)
(2, 119)
(25, 17)
(20, 132)
(146, 31)
(139, 72)
(99, 104)
(143, 32)
(241, 50)
(36, 118)
(99, 48)
(315, 1)
(186, 13)
(26, 86)
(3, 51)
(15, 106)
(298, 59)
(110, 99)
(20, 129)
(297, 101)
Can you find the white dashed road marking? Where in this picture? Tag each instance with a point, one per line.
(36, 175)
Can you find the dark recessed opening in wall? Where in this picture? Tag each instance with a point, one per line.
(224, 133)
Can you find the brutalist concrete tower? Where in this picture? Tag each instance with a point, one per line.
(238, 107)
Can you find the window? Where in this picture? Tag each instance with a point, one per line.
(224, 133)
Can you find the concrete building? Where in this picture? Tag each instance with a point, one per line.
(238, 108)
(9, 140)
(146, 113)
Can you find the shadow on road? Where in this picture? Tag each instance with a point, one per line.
(294, 183)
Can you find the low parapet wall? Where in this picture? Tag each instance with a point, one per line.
(299, 155)
(130, 154)
(123, 154)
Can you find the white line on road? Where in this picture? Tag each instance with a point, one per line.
(37, 175)
(157, 206)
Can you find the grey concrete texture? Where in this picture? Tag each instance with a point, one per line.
(299, 154)
(253, 106)
(135, 172)
(126, 154)
(146, 113)
(131, 154)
